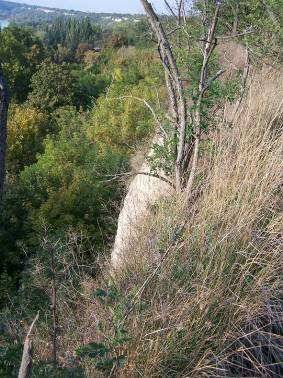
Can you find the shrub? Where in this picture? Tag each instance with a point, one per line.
(52, 86)
(66, 186)
(27, 127)
(20, 53)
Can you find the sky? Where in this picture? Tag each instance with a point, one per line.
(123, 6)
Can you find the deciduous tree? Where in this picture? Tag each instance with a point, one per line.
(52, 86)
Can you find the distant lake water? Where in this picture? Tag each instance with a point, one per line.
(4, 23)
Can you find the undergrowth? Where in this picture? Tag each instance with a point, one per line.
(199, 294)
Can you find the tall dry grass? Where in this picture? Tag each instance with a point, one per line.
(200, 294)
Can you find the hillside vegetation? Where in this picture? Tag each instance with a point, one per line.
(202, 298)
(195, 96)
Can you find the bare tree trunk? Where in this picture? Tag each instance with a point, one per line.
(174, 86)
(26, 364)
(4, 104)
(182, 12)
(187, 151)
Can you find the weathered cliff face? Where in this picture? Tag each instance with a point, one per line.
(144, 191)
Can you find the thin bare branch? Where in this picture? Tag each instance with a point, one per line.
(212, 79)
(203, 85)
(140, 100)
(125, 174)
(236, 35)
(160, 177)
(244, 82)
(26, 363)
(170, 9)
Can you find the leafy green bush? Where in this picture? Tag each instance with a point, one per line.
(89, 86)
(20, 53)
(27, 127)
(69, 184)
(52, 86)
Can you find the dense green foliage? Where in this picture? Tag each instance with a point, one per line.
(66, 186)
(27, 127)
(52, 86)
(20, 52)
(71, 32)
(258, 24)
(66, 141)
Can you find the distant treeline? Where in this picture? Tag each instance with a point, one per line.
(34, 16)
(71, 32)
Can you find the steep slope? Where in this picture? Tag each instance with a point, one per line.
(212, 275)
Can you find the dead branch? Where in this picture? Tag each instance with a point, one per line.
(26, 364)
(247, 32)
(51, 249)
(208, 49)
(212, 79)
(160, 177)
(244, 82)
(170, 9)
(141, 100)
(128, 174)
(182, 12)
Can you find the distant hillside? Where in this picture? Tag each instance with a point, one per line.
(34, 15)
